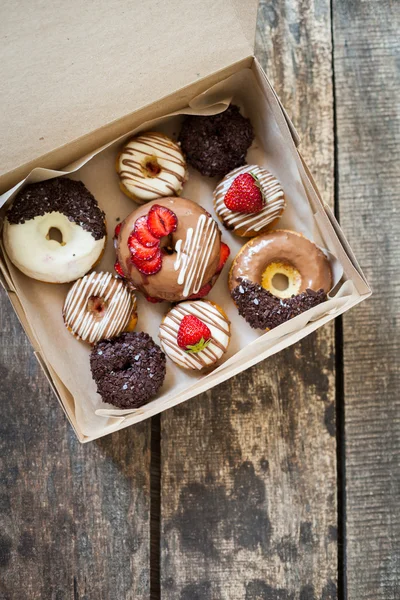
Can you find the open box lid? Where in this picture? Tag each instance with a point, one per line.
(70, 68)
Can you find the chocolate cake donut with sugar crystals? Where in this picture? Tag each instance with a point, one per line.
(129, 369)
(170, 249)
(277, 276)
(54, 230)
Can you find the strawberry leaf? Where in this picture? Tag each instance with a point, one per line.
(199, 347)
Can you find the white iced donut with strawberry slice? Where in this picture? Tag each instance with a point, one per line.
(195, 334)
(249, 201)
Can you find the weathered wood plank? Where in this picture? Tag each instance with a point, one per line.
(74, 520)
(367, 55)
(248, 489)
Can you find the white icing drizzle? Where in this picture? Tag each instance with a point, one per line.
(169, 157)
(193, 254)
(210, 315)
(273, 194)
(120, 304)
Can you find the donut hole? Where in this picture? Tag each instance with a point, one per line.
(56, 235)
(151, 167)
(167, 245)
(280, 282)
(97, 306)
(281, 279)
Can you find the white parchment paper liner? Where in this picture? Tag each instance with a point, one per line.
(43, 303)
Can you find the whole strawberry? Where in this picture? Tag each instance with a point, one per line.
(193, 334)
(245, 195)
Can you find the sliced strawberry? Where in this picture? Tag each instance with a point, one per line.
(223, 256)
(143, 233)
(118, 269)
(148, 267)
(117, 229)
(161, 221)
(139, 251)
(153, 300)
(202, 292)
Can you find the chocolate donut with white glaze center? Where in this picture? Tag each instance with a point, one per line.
(188, 256)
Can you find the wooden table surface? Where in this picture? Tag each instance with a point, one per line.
(284, 482)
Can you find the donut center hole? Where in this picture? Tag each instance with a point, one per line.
(281, 279)
(151, 167)
(280, 282)
(166, 245)
(97, 306)
(56, 235)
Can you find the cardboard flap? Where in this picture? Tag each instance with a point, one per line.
(69, 68)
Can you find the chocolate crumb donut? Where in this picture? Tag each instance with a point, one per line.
(216, 144)
(262, 310)
(128, 370)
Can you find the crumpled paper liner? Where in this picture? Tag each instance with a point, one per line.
(43, 303)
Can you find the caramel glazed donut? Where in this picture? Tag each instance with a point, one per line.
(151, 166)
(277, 276)
(189, 256)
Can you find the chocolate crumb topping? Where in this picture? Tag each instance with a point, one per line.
(263, 310)
(69, 197)
(217, 144)
(128, 369)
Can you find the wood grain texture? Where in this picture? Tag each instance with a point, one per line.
(248, 488)
(367, 59)
(74, 520)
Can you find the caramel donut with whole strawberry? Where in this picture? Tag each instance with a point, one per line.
(249, 201)
(170, 249)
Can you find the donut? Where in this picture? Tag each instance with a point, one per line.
(216, 144)
(276, 276)
(195, 335)
(151, 166)
(249, 201)
(54, 230)
(128, 369)
(169, 249)
(99, 306)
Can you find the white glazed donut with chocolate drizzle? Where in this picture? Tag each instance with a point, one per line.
(99, 306)
(247, 222)
(151, 166)
(195, 334)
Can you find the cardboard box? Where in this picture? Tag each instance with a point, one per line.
(80, 82)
